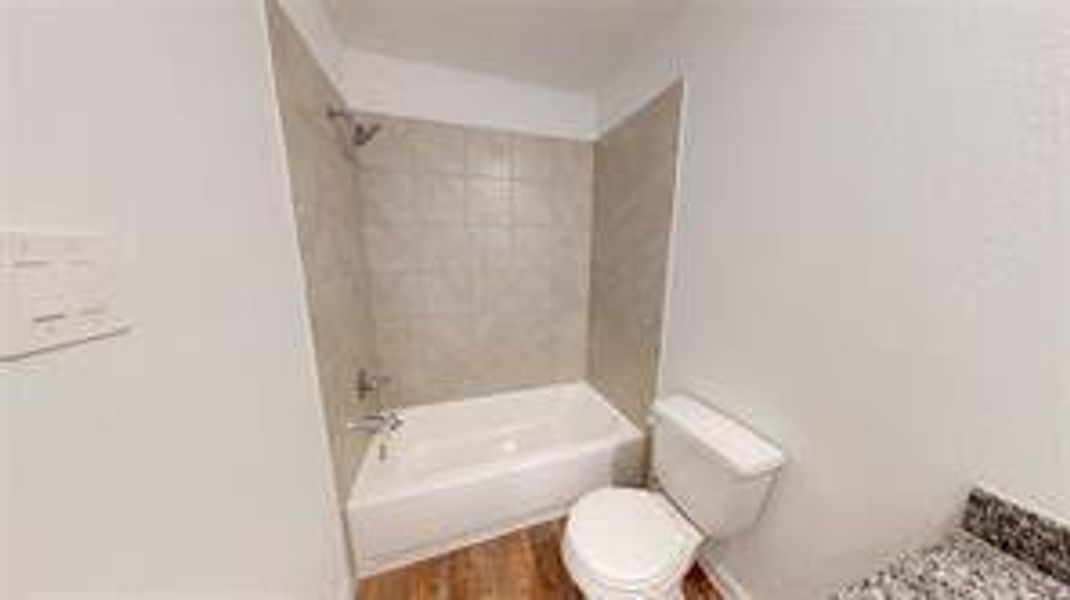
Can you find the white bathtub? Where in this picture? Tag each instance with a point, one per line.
(462, 472)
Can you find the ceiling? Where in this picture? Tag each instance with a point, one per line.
(569, 44)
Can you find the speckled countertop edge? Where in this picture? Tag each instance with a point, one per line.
(1003, 551)
(960, 567)
(1037, 540)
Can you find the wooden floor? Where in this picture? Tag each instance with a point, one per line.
(522, 565)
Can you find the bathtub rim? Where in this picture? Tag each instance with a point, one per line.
(625, 433)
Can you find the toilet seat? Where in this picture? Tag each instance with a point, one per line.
(628, 543)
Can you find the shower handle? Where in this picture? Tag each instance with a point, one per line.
(368, 384)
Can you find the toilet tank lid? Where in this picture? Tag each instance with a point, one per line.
(744, 451)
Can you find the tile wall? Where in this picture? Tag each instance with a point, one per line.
(478, 243)
(329, 214)
(463, 261)
(635, 181)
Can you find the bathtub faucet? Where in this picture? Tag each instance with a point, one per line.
(389, 421)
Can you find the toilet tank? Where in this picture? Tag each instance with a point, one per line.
(714, 469)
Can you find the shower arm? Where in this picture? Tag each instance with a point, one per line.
(360, 134)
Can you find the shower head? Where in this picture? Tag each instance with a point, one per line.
(362, 134)
(359, 133)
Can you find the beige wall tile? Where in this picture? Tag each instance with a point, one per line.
(439, 198)
(450, 293)
(634, 184)
(533, 202)
(437, 148)
(388, 197)
(487, 201)
(486, 266)
(399, 295)
(488, 154)
(534, 158)
(391, 150)
(491, 248)
(330, 217)
(532, 246)
(396, 247)
(449, 247)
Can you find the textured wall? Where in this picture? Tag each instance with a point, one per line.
(8, 544)
(187, 458)
(871, 254)
(478, 242)
(329, 214)
(635, 179)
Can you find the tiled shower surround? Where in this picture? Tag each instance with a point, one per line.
(462, 261)
(478, 243)
(329, 217)
(635, 181)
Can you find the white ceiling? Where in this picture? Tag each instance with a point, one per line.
(569, 44)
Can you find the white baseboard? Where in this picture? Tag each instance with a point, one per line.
(729, 587)
(379, 565)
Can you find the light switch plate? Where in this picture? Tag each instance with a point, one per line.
(54, 291)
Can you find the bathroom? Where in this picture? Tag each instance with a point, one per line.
(324, 299)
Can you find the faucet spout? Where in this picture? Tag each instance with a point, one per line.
(389, 421)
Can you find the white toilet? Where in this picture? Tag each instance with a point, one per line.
(623, 543)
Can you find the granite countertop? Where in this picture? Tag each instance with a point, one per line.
(1001, 552)
(960, 567)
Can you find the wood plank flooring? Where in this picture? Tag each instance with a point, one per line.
(525, 565)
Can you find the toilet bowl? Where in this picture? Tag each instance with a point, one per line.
(625, 543)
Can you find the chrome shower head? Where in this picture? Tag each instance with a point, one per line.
(359, 133)
(362, 134)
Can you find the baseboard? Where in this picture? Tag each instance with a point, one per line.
(380, 565)
(729, 587)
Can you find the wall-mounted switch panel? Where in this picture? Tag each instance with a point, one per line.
(55, 290)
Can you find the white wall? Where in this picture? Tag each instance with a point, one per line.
(645, 76)
(872, 254)
(405, 88)
(398, 87)
(7, 572)
(7, 568)
(316, 24)
(186, 459)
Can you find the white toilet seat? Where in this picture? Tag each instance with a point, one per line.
(628, 543)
